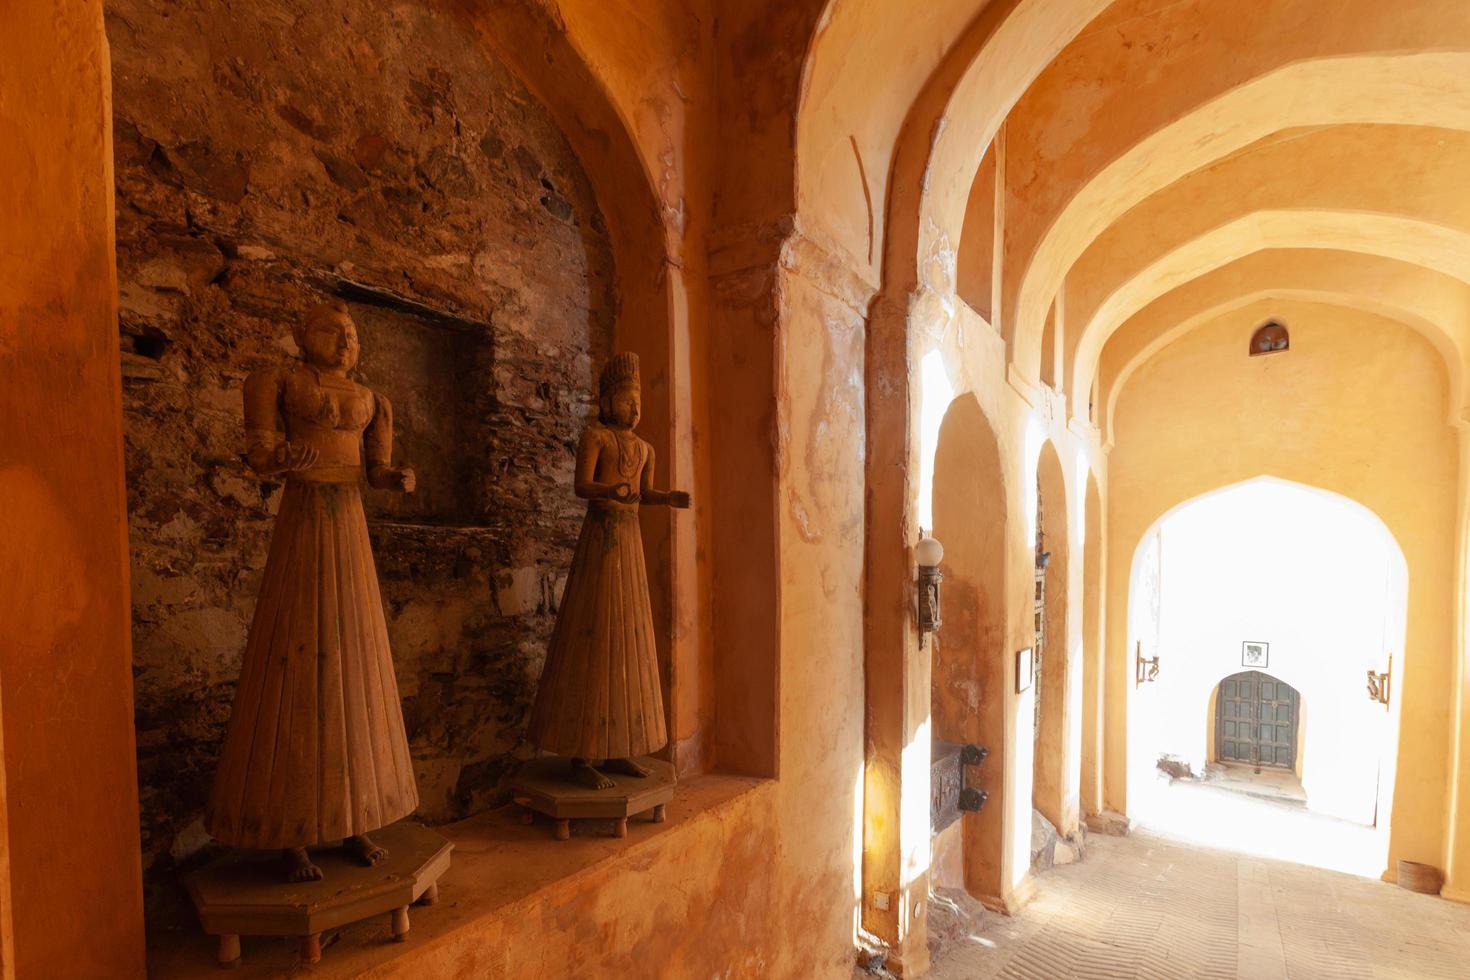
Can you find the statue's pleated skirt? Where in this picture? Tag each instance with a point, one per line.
(599, 695)
(316, 749)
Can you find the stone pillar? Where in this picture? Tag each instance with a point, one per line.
(896, 787)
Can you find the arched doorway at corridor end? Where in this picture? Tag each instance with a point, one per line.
(1257, 722)
(1266, 603)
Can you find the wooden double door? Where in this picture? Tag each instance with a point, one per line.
(1256, 718)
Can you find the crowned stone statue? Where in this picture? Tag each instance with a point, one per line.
(600, 701)
(315, 750)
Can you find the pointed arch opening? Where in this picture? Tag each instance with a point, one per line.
(1266, 603)
(969, 678)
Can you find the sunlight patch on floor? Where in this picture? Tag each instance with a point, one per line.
(1199, 813)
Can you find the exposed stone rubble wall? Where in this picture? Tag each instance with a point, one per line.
(267, 153)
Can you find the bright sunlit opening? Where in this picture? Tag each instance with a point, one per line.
(1267, 604)
(935, 393)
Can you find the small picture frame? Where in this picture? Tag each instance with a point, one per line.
(1025, 669)
(1254, 653)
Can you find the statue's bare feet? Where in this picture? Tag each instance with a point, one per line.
(362, 848)
(299, 866)
(586, 774)
(626, 767)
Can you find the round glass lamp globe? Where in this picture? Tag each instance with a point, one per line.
(928, 553)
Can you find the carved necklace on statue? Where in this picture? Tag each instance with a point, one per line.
(628, 455)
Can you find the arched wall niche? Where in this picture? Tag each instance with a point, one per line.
(1170, 423)
(969, 652)
(615, 90)
(442, 201)
(975, 272)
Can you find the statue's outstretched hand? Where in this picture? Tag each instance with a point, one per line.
(399, 478)
(679, 499)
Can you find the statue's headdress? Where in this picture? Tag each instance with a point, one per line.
(621, 372)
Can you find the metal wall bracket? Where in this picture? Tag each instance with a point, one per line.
(1145, 669)
(949, 796)
(1378, 683)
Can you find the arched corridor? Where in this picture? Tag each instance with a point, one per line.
(1070, 398)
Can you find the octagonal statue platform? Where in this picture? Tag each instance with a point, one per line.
(245, 894)
(546, 786)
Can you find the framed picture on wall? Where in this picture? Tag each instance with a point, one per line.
(1253, 653)
(1025, 669)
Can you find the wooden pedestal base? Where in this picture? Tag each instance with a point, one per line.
(546, 786)
(246, 894)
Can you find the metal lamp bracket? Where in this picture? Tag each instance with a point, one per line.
(1378, 683)
(1145, 669)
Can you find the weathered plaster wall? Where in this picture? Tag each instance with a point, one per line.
(70, 894)
(267, 154)
(1316, 415)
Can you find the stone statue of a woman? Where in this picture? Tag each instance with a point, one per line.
(600, 701)
(316, 750)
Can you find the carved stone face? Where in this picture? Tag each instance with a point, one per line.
(626, 407)
(330, 341)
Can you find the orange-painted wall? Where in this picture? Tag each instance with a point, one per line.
(65, 671)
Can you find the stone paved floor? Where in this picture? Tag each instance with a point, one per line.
(1146, 906)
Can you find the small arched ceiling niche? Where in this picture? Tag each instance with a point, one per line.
(1092, 139)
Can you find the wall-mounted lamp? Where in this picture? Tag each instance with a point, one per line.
(929, 553)
(1145, 669)
(1378, 683)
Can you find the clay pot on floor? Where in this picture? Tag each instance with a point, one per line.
(1422, 878)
